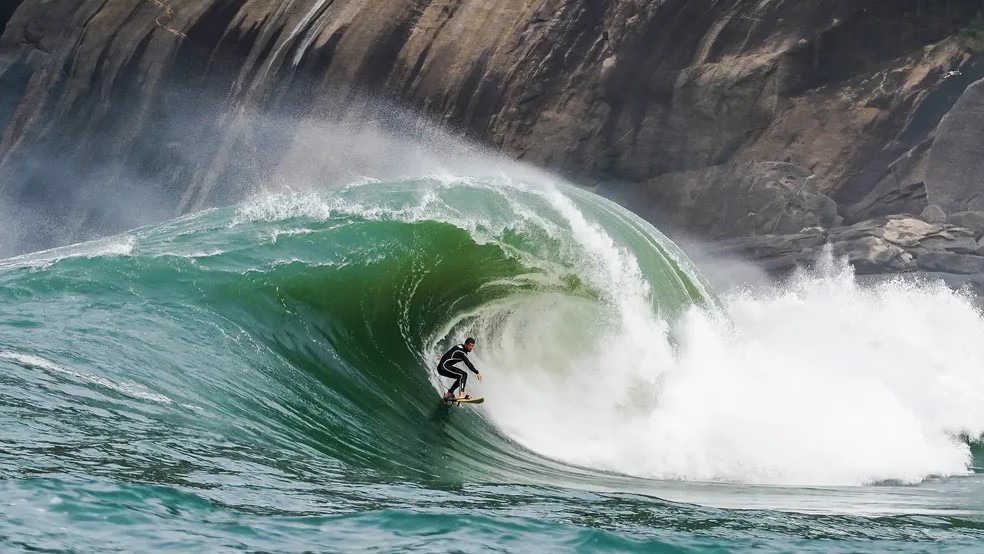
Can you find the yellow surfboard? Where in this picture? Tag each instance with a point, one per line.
(472, 400)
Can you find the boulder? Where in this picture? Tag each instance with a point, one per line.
(908, 231)
(871, 255)
(933, 214)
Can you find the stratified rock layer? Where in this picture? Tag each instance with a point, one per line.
(729, 117)
(886, 245)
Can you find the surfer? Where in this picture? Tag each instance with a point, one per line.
(446, 367)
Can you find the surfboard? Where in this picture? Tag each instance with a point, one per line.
(472, 400)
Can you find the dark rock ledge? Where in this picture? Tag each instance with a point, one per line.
(902, 243)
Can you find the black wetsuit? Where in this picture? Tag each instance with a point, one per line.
(446, 367)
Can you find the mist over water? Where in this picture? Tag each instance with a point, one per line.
(209, 150)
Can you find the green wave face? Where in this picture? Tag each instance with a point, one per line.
(303, 330)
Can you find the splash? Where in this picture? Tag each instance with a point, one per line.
(819, 381)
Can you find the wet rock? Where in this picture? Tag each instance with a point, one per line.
(973, 220)
(883, 245)
(947, 262)
(870, 254)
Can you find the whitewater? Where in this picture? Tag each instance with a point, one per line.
(270, 367)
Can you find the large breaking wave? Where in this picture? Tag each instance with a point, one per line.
(309, 324)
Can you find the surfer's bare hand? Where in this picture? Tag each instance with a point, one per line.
(479, 375)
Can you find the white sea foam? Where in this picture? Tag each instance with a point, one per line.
(821, 381)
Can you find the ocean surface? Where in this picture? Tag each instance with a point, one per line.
(261, 378)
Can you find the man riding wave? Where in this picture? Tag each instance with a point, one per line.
(446, 368)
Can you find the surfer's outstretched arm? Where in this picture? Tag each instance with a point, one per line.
(464, 358)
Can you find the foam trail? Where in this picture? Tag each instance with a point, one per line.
(36, 362)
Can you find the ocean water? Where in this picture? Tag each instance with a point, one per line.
(261, 378)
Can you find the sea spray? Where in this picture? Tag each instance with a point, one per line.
(816, 381)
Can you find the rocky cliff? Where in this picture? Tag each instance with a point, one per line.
(725, 118)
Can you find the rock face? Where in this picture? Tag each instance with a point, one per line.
(733, 117)
(886, 245)
(744, 199)
(954, 178)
